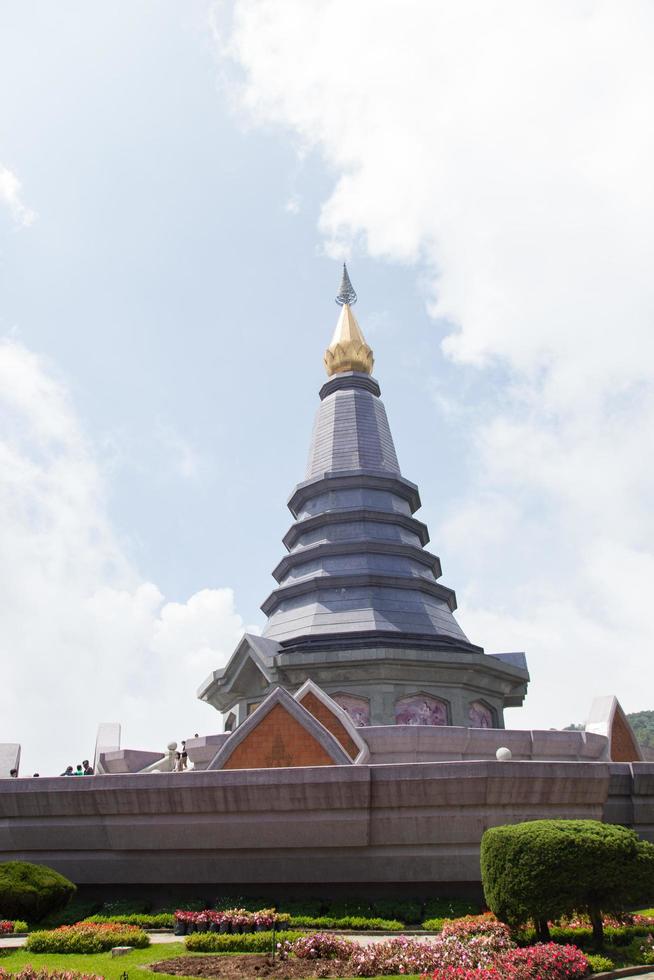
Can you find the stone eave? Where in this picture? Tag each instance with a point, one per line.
(354, 479)
(355, 516)
(384, 650)
(356, 581)
(390, 657)
(371, 547)
(370, 639)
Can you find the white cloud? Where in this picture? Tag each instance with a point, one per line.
(507, 148)
(84, 639)
(10, 196)
(184, 459)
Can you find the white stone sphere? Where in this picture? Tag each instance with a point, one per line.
(503, 754)
(172, 746)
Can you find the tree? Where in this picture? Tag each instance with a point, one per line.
(544, 869)
(642, 723)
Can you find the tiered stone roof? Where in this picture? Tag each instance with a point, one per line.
(356, 561)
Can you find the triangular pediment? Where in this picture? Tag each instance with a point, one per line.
(607, 718)
(280, 733)
(334, 718)
(248, 672)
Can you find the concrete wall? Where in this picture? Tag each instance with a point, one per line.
(427, 743)
(388, 823)
(630, 799)
(127, 760)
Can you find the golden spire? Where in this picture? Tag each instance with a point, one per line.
(348, 350)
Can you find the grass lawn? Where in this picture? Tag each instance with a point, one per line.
(104, 965)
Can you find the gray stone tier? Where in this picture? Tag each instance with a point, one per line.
(351, 430)
(356, 562)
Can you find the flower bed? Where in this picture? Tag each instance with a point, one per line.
(610, 921)
(579, 932)
(489, 954)
(323, 946)
(229, 921)
(30, 973)
(476, 925)
(545, 960)
(404, 955)
(86, 937)
(7, 927)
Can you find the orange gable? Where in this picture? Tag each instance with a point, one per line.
(623, 748)
(330, 721)
(278, 740)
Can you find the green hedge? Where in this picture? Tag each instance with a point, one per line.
(147, 920)
(405, 911)
(313, 907)
(357, 922)
(449, 908)
(247, 942)
(434, 925)
(616, 935)
(84, 941)
(32, 891)
(126, 906)
(165, 920)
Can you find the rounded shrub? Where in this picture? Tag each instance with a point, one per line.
(544, 869)
(599, 964)
(32, 891)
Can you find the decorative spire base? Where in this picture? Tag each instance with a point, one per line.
(348, 350)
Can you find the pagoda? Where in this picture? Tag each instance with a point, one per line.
(358, 607)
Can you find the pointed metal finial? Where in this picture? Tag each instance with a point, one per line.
(348, 350)
(346, 294)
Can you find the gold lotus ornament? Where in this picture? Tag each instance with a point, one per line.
(348, 350)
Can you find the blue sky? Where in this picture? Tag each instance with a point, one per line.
(190, 177)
